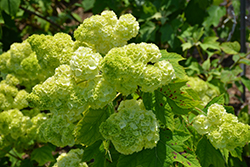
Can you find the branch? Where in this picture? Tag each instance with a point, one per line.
(44, 18)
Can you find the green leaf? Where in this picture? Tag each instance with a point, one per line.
(244, 61)
(206, 65)
(174, 59)
(186, 46)
(218, 100)
(10, 6)
(87, 129)
(179, 102)
(215, 15)
(246, 82)
(237, 152)
(26, 163)
(230, 75)
(42, 155)
(211, 43)
(88, 4)
(158, 103)
(148, 30)
(208, 155)
(169, 149)
(231, 47)
(99, 154)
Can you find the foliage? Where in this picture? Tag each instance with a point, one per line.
(104, 97)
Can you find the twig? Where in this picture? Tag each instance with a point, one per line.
(44, 18)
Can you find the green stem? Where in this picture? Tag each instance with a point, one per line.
(199, 51)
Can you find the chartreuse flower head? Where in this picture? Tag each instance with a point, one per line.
(128, 66)
(57, 131)
(71, 159)
(222, 128)
(205, 90)
(132, 128)
(85, 64)
(105, 31)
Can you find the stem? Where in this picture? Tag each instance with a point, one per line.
(199, 51)
(15, 156)
(44, 18)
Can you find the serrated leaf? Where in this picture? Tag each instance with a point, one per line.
(179, 101)
(42, 155)
(215, 15)
(158, 103)
(237, 152)
(218, 99)
(87, 129)
(211, 43)
(10, 6)
(174, 59)
(98, 153)
(186, 46)
(208, 155)
(231, 47)
(169, 149)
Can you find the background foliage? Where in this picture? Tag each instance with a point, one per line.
(206, 33)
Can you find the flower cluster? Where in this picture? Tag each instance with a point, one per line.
(72, 159)
(57, 131)
(222, 128)
(105, 31)
(127, 67)
(18, 130)
(132, 128)
(205, 90)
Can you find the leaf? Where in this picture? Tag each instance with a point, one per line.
(174, 59)
(148, 31)
(211, 43)
(92, 151)
(208, 155)
(10, 6)
(186, 46)
(169, 149)
(26, 163)
(158, 103)
(219, 100)
(215, 14)
(42, 155)
(87, 129)
(231, 47)
(180, 102)
(97, 153)
(237, 152)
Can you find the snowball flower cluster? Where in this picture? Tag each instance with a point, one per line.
(132, 128)
(57, 131)
(205, 90)
(128, 66)
(70, 159)
(222, 128)
(106, 31)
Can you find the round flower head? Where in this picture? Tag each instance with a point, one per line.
(215, 113)
(132, 128)
(105, 31)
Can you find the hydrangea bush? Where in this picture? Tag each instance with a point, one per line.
(110, 102)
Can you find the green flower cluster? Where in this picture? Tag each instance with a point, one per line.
(18, 130)
(57, 131)
(10, 96)
(128, 66)
(21, 62)
(205, 90)
(132, 128)
(105, 31)
(71, 159)
(222, 128)
(63, 95)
